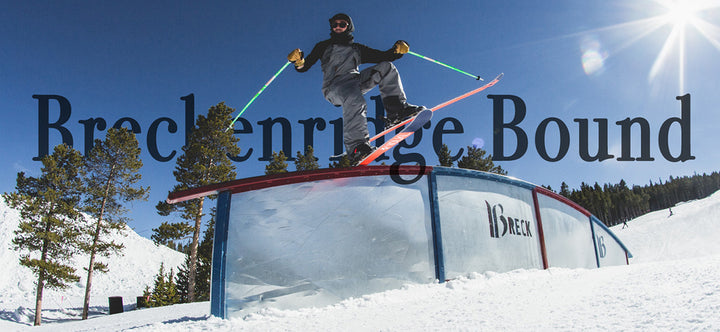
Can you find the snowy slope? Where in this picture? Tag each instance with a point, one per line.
(128, 276)
(671, 284)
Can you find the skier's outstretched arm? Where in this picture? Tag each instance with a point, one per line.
(302, 64)
(371, 55)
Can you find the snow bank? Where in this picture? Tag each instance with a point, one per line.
(691, 231)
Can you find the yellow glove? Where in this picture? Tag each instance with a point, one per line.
(296, 57)
(401, 47)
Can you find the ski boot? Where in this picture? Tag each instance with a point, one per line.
(398, 111)
(359, 153)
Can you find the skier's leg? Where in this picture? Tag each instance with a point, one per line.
(387, 78)
(355, 130)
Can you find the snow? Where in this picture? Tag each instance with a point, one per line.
(671, 284)
(127, 277)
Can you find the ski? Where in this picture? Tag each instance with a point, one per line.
(417, 122)
(451, 101)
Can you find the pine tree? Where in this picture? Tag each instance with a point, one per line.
(204, 273)
(111, 171)
(204, 161)
(181, 280)
(147, 294)
(277, 165)
(49, 208)
(167, 233)
(164, 291)
(344, 162)
(444, 157)
(564, 191)
(204, 269)
(307, 161)
(475, 159)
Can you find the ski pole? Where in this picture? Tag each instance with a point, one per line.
(256, 95)
(445, 65)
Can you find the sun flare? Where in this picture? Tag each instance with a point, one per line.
(682, 17)
(680, 13)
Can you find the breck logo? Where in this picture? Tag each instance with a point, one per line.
(516, 226)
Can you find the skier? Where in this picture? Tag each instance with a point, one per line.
(344, 84)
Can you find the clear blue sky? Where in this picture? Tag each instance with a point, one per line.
(565, 59)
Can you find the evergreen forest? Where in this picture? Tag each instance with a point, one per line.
(617, 203)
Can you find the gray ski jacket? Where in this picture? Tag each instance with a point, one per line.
(341, 61)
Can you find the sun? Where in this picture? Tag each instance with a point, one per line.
(680, 13)
(682, 17)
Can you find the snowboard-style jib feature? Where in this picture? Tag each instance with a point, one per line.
(451, 101)
(417, 122)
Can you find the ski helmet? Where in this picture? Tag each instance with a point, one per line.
(344, 17)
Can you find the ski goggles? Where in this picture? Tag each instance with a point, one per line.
(341, 24)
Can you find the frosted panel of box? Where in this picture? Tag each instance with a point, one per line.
(486, 226)
(568, 237)
(609, 250)
(316, 243)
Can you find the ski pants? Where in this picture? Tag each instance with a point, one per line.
(348, 92)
